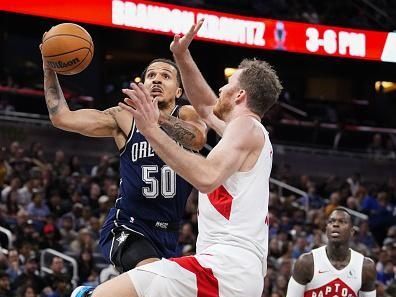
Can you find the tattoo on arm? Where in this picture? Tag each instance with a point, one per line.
(180, 131)
(112, 111)
(53, 93)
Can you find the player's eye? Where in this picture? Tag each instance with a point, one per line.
(150, 74)
(166, 76)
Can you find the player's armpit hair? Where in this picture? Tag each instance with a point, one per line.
(367, 294)
(294, 289)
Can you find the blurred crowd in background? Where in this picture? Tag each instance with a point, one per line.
(56, 202)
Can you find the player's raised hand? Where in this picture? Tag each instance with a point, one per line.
(45, 66)
(180, 44)
(142, 106)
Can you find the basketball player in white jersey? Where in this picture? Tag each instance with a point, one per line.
(233, 182)
(334, 269)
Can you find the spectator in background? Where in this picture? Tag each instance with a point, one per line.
(75, 165)
(364, 236)
(5, 168)
(376, 148)
(312, 199)
(94, 195)
(300, 247)
(103, 209)
(61, 286)
(38, 209)
(5, 289)
(103, 168)
(67, 233)
(51, 235)
(108, 273)
(30, 276)
(59, 162)
(387, 275)
(14, 186)
(58, 278)
(14, 265)
(354, 182)
(26, 291)
(187, 240)
(334, 202)
(83, 241)
(12, 206)
(390, 236)
(390, 147)
(85, 265)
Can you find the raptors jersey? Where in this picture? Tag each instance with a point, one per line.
(151, 196)
(235, 214)
(328, 281)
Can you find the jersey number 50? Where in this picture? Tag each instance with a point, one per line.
(166, 185)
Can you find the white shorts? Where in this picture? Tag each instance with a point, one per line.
(219, 271)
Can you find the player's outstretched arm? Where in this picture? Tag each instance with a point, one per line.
(189, 130)
(241, 138)
(197, 89)
(302, 275)
(89, 122)
(369, 276)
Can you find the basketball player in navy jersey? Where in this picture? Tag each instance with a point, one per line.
(143, 224)
(334, 269)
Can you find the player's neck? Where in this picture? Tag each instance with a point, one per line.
(246, 114)
(338, 252)
(166, 108)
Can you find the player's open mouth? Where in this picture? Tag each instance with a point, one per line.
(335, 234)
(155, 91)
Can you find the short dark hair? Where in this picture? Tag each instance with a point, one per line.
(340, 208)
(261, 84)
(167, 61)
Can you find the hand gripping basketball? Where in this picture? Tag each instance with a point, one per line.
(67, 48)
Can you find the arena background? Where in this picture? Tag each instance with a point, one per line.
(334, 136)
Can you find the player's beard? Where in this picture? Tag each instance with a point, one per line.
(221, 109)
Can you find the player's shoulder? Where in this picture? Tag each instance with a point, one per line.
(368, 264)
(369, 274)
(303, 269)
(245, 125)
(306, 259)
(247, 131)
(188, 113)
(187, 110)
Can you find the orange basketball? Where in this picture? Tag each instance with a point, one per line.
(67, 48)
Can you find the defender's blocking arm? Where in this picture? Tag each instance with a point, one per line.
(197, 89)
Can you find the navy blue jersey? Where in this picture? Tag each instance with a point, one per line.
(150, 194)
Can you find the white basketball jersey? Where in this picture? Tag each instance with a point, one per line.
(328, 281)
(236, 213)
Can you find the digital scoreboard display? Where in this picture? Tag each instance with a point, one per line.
(219, 27)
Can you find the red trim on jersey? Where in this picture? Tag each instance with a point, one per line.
(222, 201)
(207, 283)
(334, 288)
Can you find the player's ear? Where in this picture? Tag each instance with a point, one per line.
(240, 97)
(179, 92)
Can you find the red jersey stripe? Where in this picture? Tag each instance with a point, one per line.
(207, 283)
(222, 201)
